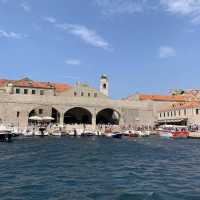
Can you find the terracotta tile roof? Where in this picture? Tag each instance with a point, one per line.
(2, 82)
(59, 87)
(179, 98)
(32, 84)
(179, 106)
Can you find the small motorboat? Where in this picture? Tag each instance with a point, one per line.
(194, 135)
(5, 134)
(89, 133)
(27, 133)
(172, 131)
(113, 135)
(180, 134)
(76, 132)
(37, 133)
(57, 134)
(117, 135)
(166, 134)
(130, 133)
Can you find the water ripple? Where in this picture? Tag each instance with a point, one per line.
(86, 168)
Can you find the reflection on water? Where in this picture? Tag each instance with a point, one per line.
(99, 168)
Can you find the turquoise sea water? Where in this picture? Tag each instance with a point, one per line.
(99, 168)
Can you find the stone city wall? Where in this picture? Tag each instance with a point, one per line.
(129, 111)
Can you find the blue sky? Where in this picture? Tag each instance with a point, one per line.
(142, 46)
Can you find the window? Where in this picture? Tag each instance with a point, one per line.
(95, 94)
(185, 112)
(88, 94)
(104, 86)
(40, 111)
(33, 92)
(17, 91)
(197, 111)
(75, 94)
(41, 92)
(171, 114)
(160, 115)
(18, 113)
(25, 91)
(179, 112)
(82, 94)
(168, 114)
(164, 114)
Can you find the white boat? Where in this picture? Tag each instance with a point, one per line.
(57, 133)
(71, 133)
(194, 135)
(166, 134)
(40, 133)
(37, 133)
(5, 134)
(173, 131)
(4, 129)
(130, 133)
(45, 133)
(143, 133)
(76, 132)
(113, 135)
(27, 133)
(91, 133)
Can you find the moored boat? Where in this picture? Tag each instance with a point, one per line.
(113, 135)
(27, 133)
(5, 134)
(57, 133)
(194, 135)
(143, 133)
(172, 131)
(130, 133)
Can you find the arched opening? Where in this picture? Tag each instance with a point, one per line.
(108, 116)
(45, 111)
(78, 116)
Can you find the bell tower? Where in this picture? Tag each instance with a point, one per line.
(104, 84)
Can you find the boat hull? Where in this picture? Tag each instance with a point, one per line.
(175, 134)
(194, 135)
(5, 137)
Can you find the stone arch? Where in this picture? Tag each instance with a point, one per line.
(78, 115)
(43, 110)
(108, 116)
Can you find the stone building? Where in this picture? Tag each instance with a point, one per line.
(77, 104)
(187, 113)
(155, 102)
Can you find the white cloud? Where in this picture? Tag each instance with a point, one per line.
(87, 35)
(72, 62)
(121, 6)
(166, 51)
(189, 8)
(51, 20)
(11, 35)
(26, 6)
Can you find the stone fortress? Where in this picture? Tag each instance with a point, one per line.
(79, 104)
